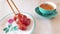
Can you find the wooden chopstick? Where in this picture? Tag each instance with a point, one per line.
(15, 6)
(12, 7)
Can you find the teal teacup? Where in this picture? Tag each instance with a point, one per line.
(44, 11)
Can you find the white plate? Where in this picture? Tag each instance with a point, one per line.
(3, 24)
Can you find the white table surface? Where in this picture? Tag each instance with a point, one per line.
(43, 26)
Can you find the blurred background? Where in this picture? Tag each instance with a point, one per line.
(43, 26)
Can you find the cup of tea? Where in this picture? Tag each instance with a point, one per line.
(46, 9)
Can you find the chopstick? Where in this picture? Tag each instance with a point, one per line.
(12, 7)
(15, 6)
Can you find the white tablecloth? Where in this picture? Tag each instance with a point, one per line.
(43, 26)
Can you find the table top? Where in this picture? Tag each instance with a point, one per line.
(43, 26)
